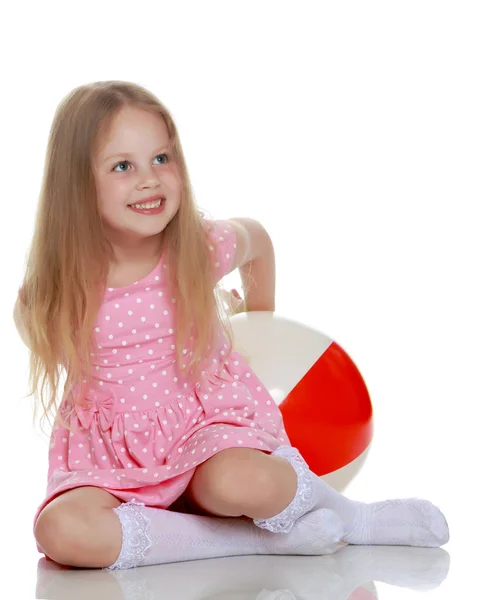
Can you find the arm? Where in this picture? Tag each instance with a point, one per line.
(256, 263)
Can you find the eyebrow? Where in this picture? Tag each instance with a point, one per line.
(131, 154)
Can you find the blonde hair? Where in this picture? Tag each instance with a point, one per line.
(69, 257)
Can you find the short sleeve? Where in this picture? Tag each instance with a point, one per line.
(222, 239)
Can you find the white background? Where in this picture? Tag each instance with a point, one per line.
(350, 130)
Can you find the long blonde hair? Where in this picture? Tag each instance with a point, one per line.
(69, 257)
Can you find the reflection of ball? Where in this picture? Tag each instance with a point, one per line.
(323, 399)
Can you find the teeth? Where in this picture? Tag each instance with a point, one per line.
(147, 204)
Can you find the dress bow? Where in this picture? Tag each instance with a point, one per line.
(97, 402)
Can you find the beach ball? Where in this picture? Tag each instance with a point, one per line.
(323, 399)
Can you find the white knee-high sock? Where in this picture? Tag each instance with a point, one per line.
(156, 536)
(399, 522)
(410, 522)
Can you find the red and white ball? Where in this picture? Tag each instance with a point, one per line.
(324, 401)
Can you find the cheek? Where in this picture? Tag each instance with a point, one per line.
(111, 212)
(111, 200)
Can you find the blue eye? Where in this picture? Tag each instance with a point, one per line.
(123, 162)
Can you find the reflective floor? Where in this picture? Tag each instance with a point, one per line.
(349, 574)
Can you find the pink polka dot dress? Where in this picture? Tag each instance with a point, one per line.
(146, 427)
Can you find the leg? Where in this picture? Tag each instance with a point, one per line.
(274, 490)
(80, 529)
(243, 482)
(154, 536)
(410, 522)
(399, 522)
(239, 483)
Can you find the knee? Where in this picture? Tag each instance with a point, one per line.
(238, 479)
(57, 533)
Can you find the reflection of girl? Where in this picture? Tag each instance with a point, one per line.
(159, 412)
(345, 575)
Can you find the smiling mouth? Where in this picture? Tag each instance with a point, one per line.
(148, 205)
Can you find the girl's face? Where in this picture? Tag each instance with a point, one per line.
(133, 164)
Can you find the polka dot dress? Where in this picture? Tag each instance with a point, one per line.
(145, 428)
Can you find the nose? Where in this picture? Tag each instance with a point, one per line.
(149, 178)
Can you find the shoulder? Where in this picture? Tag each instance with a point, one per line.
(239, 239)
(252, 239)
(221, 239)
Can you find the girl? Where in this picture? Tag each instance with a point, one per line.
(165, 446)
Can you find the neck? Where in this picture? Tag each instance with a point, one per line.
(136, 250)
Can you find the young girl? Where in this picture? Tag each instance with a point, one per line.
(165, 446)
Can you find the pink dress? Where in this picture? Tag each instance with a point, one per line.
(147, 428)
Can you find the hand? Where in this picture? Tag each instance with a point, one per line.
(232, 301)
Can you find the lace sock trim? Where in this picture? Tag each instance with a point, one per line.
(303, 501)
(135, 540)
